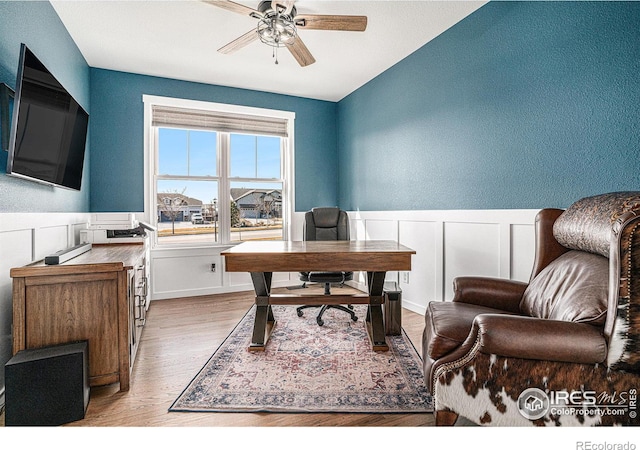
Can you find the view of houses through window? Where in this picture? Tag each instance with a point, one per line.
(218, 187)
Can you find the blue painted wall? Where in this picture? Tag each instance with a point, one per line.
(117, 132)
(520, 105)
(38, 25)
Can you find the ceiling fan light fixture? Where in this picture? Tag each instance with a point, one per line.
(276, 31)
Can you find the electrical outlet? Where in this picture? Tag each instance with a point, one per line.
(213, 267)
(405, 277)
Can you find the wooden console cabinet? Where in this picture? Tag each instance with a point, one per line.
(99, 296)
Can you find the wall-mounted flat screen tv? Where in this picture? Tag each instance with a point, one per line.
(49, 128)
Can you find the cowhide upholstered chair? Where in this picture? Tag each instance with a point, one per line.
(562, 349)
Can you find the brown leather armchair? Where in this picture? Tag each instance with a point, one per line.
(562, 349)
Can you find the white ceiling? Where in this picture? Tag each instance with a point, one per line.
(179, 39)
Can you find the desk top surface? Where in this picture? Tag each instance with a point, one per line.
(289, 247)
(284, 256)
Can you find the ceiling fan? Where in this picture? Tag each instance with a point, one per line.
(278, 24)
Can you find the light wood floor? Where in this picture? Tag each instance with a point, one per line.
(179, 337)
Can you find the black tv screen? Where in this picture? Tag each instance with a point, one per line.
(49, 128)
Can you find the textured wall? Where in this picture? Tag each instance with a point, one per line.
(117, 136)
(520, 105)
(37, 25)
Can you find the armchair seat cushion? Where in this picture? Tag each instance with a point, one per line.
(447, 325)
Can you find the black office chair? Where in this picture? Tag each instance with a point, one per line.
(326, 224)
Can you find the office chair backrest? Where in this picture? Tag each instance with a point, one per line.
(326, 224)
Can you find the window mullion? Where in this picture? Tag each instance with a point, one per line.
(255, 180)
(224, 207)
(286, 212)
(153, 171)
(188, 152)
(186, 177)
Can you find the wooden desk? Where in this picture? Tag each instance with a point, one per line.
(262, 258)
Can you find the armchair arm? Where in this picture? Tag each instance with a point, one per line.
(541, 339)
(523, 337)
(491, 292)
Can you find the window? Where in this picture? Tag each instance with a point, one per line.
(218, 173)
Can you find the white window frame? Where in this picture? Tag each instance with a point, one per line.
(150, 161)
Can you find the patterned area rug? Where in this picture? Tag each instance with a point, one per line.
(307, 368)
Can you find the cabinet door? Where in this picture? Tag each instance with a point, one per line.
(73, 308)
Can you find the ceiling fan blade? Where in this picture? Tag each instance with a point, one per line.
(287, 5)
(300, 52)
(239, 43)
(234, 7)
(330, 22)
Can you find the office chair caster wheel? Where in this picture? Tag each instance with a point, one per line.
(320, 321)
(354, 318)
(300, 313)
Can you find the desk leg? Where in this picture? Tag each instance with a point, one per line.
(264, 320)
(375, 321)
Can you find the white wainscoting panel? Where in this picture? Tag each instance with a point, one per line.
(522, 246)
(239, 280)
(422, 282)
(50, 239)
(194, 267)
(16, 252)
(16, 249)
(497, 243)
(186, 272)
(373, 229)
(380, 230)
(470, 249)
(448, 244)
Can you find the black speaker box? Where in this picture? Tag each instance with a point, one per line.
(47, 386)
